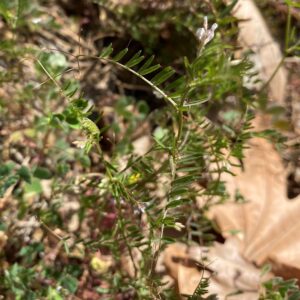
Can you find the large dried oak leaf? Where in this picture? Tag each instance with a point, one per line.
(269, 223)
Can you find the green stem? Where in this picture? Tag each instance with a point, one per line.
(123, 234)
(169, 99)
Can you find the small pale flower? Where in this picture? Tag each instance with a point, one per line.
(80, 144)
(204, 34)
(178, 226)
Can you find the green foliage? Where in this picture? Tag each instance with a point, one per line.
(126, 203)
(202, 290)
(18, 280)
(279, 289)
(145, 69)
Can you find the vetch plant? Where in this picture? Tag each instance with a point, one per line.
(189, 147)
(108, 212)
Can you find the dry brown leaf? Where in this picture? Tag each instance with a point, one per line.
(141, 145)
(130, 263)
(264, 229)
(255, 35)
(3, 240)
(268, 223)
(227, 270)
(7, 196)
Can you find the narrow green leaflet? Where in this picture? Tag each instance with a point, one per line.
(162, 76)
(150, 70)
(146, 64)
(196, 102)
(135, 60)
(120, 55)
(106, 52)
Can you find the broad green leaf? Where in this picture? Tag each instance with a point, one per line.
(42, 173)
(70, 283)
(10, 181)
(6, 169)
(24, 173)
(71, 118)
(80, 103)
(34, 187)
